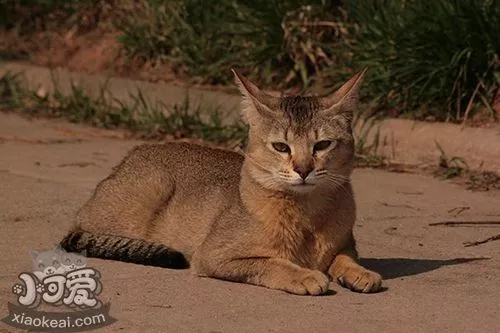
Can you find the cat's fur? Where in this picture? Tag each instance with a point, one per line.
(251, 218)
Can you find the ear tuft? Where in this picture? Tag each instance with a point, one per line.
(256, 104)
(346, 97)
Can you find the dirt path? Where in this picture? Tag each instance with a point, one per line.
(435, 284)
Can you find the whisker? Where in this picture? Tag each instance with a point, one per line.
(257, 163)
(339, 182)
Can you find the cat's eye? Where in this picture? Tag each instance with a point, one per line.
(78, 262)
(67, 261)
(281, 147)
(322, 145)
(55, 263)
(41, 266)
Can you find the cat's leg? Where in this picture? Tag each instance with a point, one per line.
(274, 273)
(346, 270)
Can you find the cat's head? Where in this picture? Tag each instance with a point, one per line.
(300, 143)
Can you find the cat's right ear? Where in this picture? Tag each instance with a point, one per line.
(256, 104)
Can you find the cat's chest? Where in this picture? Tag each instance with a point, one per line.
(305, 246)
(309, 238)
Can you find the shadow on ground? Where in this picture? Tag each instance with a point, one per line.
(391, 268)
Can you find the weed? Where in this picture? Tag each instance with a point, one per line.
(449, 167)
(368, 141)
(12, 92)
(288, 41)
(431, 58)
(146, 119)
(458, 169)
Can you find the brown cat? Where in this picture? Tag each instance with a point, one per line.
(280, 217)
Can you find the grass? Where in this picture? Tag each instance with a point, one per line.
(429, 59)
(368, 141)
(436, 59)
(449, 167)
(456, 168)
(280, 40)
(146, 119)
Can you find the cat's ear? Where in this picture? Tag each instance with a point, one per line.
(256, 104)
(34, 254)
(345, 99)
(84, 253)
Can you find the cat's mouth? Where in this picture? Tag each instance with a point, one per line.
(302, 184)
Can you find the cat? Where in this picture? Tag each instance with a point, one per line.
(56, 262)
(280, 215)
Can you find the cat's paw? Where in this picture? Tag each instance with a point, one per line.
(360, 279)
(308, 282)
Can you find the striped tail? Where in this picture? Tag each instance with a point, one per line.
(123, 249)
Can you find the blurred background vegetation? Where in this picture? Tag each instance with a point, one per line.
(427, 59)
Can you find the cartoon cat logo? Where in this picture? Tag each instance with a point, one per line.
(56, 261)
(73, 261)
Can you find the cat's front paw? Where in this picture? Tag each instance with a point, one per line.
(308, 282)
(360, 279)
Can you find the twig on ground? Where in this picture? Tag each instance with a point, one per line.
(397, 205)
(37, 140)
(489, 239)
(458, 210)
(462, 223)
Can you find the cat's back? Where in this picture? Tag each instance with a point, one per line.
(187, 186)
(187, 163)
(168, 193)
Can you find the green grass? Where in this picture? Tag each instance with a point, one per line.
(368, 141)
(429, 58)
(277, 41)
(450, 167)
(146, 119)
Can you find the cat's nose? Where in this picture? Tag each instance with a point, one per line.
(303, 170)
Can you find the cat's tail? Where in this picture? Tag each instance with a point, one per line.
(123, 249)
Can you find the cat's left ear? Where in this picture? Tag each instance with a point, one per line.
(345, 99)
(256, 104)
(84, 253)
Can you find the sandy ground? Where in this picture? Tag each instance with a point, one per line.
(434, 283)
